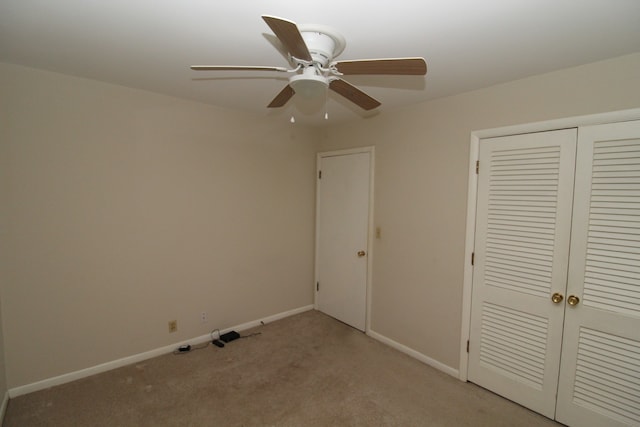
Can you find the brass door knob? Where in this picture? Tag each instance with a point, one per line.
(557, 298)
(361, 253)
(573, 300)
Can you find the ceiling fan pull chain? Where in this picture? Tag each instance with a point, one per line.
(326, 106)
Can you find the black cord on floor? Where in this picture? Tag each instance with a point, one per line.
(190, 348)
(250, 335)
(184, 349)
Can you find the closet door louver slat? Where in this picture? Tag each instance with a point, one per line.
(616, 163)
(519, 222)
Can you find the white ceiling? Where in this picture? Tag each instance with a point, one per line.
(468, 44)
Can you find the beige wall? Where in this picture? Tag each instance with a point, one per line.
(126, 209)
(122, 209)
(422, 156)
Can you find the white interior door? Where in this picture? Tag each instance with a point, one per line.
(343, 199)
(600, 370)
(523, 229)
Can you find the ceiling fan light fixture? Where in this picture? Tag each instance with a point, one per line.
(309, 86)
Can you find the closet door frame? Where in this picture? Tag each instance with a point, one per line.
(476, 136)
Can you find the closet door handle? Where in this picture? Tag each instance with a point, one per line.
(557, 298)
(361, 253)
(573, 300)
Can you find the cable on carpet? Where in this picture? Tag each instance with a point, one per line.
(183, 349)
(187, 348)
(251, 335)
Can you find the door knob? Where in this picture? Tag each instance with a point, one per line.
(557, 298)
(573, 300)
(361, 253)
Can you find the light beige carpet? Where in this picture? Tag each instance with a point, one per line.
(306, 370)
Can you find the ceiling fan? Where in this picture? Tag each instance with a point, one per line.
(311, 50)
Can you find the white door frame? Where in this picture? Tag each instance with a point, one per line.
(472, 193)
(319, 156)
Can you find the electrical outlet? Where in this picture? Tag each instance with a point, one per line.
(173, 326)
(203, 317)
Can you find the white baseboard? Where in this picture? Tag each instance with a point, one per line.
(3, 407)
(268, 319)
(415, 354)
(136, 358)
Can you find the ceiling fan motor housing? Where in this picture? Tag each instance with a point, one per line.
(324, 43)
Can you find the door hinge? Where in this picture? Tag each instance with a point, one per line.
(317, 286)
(477, 167)
(319, 174)
(473, 258)
(467, 346)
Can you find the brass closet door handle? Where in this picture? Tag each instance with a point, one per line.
(557, 298)
(573, 300)
(361, 253)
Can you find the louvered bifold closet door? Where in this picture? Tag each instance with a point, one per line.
(600, 369)
(523, 218)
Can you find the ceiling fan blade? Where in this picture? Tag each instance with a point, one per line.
(282, 98)
(236, 68)
(354, 94)
(393, 66)
(289, 35)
